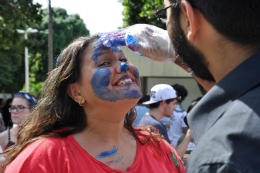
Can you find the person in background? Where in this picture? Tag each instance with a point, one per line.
(162, 103)
(191, 144)
(175, 122)
(7, 114)
(2, 124)
(141, 109)
(2, 104)
(83, 122)
(20, 109)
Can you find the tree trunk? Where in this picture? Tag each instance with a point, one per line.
(50, 42)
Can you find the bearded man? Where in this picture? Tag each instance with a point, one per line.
(219, 43)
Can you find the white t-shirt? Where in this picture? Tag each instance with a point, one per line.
(176, 124)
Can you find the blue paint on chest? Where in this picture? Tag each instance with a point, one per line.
(124, 66)
(119, 159)
(100, 82)
(108, 153)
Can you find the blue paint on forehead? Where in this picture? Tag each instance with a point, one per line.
(115, 38)
(100, 82)
(99, 48)
(124, 66)
(108, 153)
(116, 49)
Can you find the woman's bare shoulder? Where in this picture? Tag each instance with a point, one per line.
(3, 138)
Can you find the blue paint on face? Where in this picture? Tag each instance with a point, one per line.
(124, 66)
(108, 153)
(100, 82)
(136, 75)
(99, 48)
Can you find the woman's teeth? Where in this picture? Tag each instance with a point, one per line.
(122, 82)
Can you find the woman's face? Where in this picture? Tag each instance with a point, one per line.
(20, 117)
(102, 79)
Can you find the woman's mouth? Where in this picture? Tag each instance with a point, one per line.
(124, 80)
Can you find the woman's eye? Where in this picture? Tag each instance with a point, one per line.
(104, 63)
(123, 60)
(20, 107)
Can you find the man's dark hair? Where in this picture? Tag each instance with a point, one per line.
(156, 105)
(144, 99)
(193, 103)
(237, 20)
(181, 91)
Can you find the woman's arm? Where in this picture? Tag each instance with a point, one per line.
(181, 148)
(3, 138)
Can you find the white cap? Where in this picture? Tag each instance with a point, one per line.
(161, 92)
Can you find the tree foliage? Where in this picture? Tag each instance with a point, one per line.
(14, 15)
(65, 29)
(141, 11)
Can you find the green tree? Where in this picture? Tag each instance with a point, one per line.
(65, 29)
(14, 15)
(141, 11)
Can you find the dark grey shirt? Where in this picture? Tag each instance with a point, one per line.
(225, 124)
(150, 120)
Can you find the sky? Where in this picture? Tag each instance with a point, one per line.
(98, 15)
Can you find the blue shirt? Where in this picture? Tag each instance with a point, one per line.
(141, 110)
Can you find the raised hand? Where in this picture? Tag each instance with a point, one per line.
(145, 40)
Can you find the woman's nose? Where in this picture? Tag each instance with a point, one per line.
(124, 66)
(14, 111)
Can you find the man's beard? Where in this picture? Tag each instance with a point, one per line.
(192, 57)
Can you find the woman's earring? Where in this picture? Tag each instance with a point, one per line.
(81, 101)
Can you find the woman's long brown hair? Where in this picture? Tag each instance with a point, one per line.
(56, 110)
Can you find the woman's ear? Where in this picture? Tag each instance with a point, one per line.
(74, 92)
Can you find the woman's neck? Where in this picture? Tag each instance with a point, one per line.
(105, 124)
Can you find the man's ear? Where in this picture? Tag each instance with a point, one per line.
(191, 17)
(74, 92)
(163, 103)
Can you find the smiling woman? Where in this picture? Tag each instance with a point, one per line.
(83, 123)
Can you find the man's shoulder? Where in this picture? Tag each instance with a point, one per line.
(247, 104)
(233, 139)
(147, 120)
